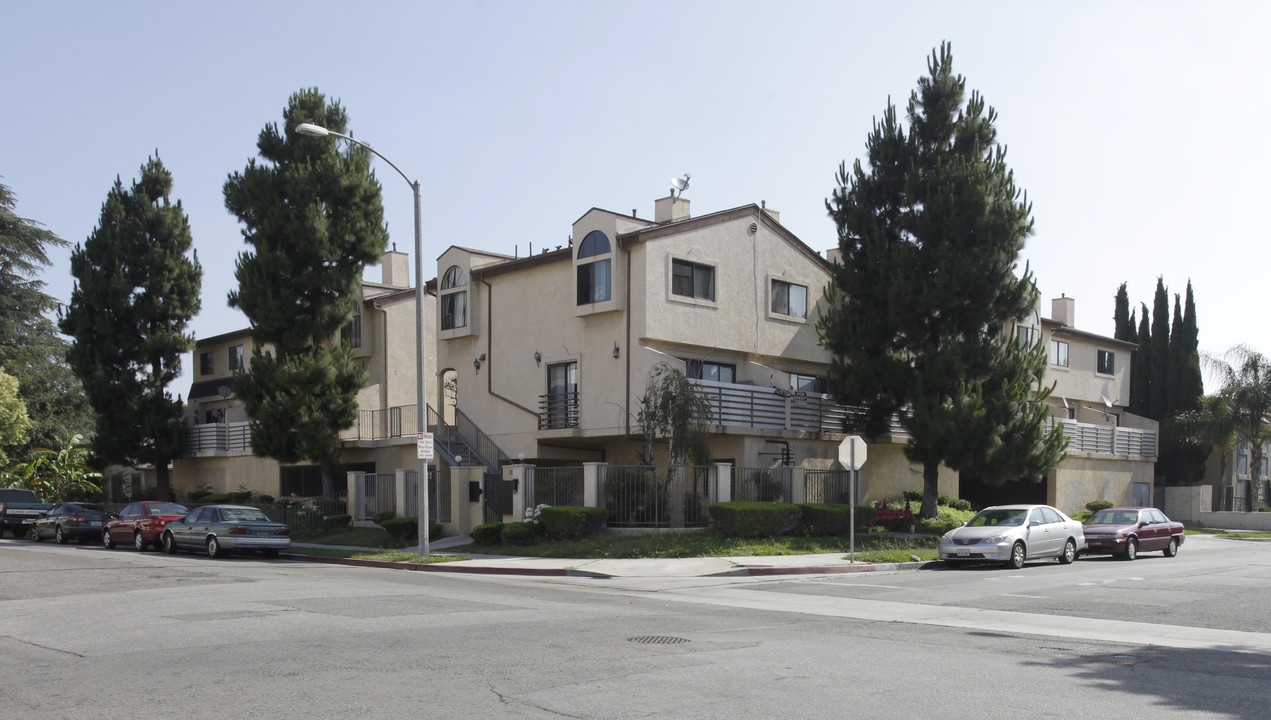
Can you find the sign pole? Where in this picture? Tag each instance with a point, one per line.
(851, 497)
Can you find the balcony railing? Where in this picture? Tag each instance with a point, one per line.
(218, 437)
(558, 410)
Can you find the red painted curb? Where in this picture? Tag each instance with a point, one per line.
(822, 570)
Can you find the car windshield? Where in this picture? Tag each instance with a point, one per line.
(243, 514)
(999, 517)
(167, 509)
(90, 507)
(1114, 517)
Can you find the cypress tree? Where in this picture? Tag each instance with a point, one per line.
(930, 237)
(1174, 368)
(1191, 385)
(1141, 371)
(311, 212)
(1121, 316)
(136, 289)
(1159, 391)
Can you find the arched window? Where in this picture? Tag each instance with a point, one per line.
(454, 298)
(593, 268)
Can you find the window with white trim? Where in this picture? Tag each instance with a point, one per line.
(789, 299)
(594, 268)
(693, 280)
(454, 298)
(1059, 353)
(1107, 363)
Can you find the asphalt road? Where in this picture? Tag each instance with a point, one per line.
(117, 634)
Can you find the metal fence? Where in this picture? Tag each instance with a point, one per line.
(640, 496)
(827, 486)
(763, 484)
(556, 486)
(373, 493)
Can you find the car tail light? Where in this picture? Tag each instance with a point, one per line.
(283, 531)
(76, 518)
(239, 531)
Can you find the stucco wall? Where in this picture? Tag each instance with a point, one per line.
(225, 474)
(887, 474)
(1084, 479)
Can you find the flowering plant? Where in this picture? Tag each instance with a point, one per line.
(531, 514)
(884, 514)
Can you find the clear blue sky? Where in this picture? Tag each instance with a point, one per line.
(1137, 128)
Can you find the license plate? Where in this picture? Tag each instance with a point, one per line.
(94, 524)
(262, 534)
(963, 552)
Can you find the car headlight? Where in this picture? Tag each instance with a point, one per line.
(948, 538)
(993, 540)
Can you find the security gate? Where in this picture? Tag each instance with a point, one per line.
(497, 499)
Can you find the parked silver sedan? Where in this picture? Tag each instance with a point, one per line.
(220, 529)
(1013, 534)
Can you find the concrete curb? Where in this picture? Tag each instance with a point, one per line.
(430, 567)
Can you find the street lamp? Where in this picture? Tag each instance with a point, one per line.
(420, 357)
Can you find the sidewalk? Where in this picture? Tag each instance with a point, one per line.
(606, 568)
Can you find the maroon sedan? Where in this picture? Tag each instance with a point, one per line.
(1129, 531)
(141, 523)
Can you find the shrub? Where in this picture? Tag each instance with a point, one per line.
(960, 504)
(405, 528)
(833, 518)
(754, 519)
(267, 499)
(384, 515)
(521, 533)
(488, 534)
(942, 499)
(215, 498)
(336, 522)
(197, 495)
(564, 522)
(1264, 508)
(242, 496)
(1095, 506)
(913, 495)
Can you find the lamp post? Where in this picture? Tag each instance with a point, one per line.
(420, 357)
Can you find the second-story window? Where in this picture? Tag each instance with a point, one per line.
(206, 365)
(235, 357)
(692, 280)
(789, 299)
(351, 333)
(1107, 363)
(594, 268)
(707, 370)
(1059, 353)
(809, 383)
(454, 298)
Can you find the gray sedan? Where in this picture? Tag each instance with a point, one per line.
(220, 529)
(1012, 534)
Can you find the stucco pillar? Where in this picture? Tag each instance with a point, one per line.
(355, 491)
(399, 495)
(519, 476)
(798, 487)
(592, 473)
(723, 482)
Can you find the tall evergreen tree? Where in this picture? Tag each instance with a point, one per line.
(1174, 368)
(311, 212)
(30, 348)
(1122, 317)
(1191, 385)
(137, 287)
(1159, 369)
(1141, 370)
(930, 237)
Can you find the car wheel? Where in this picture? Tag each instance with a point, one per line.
(1131, 549)
(140, 542)
(271, 554)
(1017, 556)
(107, 541)
(1069, 554)
(169, 544)
(59, 536)
(1172, 549)
(214, 547)
(35, 534)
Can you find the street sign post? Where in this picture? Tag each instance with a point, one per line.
(852, 455)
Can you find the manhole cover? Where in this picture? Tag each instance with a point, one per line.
(657, 640)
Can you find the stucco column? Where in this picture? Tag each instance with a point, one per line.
(798, 486)
(723, 482)
(399, 494)
(592, 473)
(355, 490)
(519, 476)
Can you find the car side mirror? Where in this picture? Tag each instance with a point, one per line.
(1034, 523)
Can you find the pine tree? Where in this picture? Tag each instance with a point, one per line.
(137, 287)
(930, 237)
(311, 212)
(31, 350)
(1159, 369)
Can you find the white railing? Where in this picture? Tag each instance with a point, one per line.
(212, 437)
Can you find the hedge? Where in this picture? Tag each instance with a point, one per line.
(566, 522)
(754, 519)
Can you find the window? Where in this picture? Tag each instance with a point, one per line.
(561, 403)
(454, 299)
(206, 366)
(789, 299)
(713, 371)
(351, 333)
(692, 280)
(593, 270)
(1107, 362)
(1028, 336)
(235, 357)
(809, 383)
(1059, 353)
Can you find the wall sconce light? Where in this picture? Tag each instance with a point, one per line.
(538, 357)
(476, 363)
(616, 351)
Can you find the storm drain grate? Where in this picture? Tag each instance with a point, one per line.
(657, 640)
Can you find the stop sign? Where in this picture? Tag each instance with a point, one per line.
(852, 452)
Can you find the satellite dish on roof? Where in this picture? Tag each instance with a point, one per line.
(224, 391)
(679, 184)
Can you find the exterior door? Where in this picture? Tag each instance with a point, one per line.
(562, 395)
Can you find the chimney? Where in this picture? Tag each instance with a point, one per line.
(395, 267)
(834, 255)
(1063, 311)
(670, 209)
(774, 214)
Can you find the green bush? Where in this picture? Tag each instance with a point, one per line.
(959, 504)
(563, 522)
(384, 515)
(950, 518)
(912, 495)
(754, 519)
(1264, 508)
(521, 533)
(833, 518)
(267, 499)
(488, 534)
(1095, 506)
(197, 495)
(406, 528)
(336, 522)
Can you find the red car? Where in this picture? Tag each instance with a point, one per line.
(141, 524)
(1127, 531)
